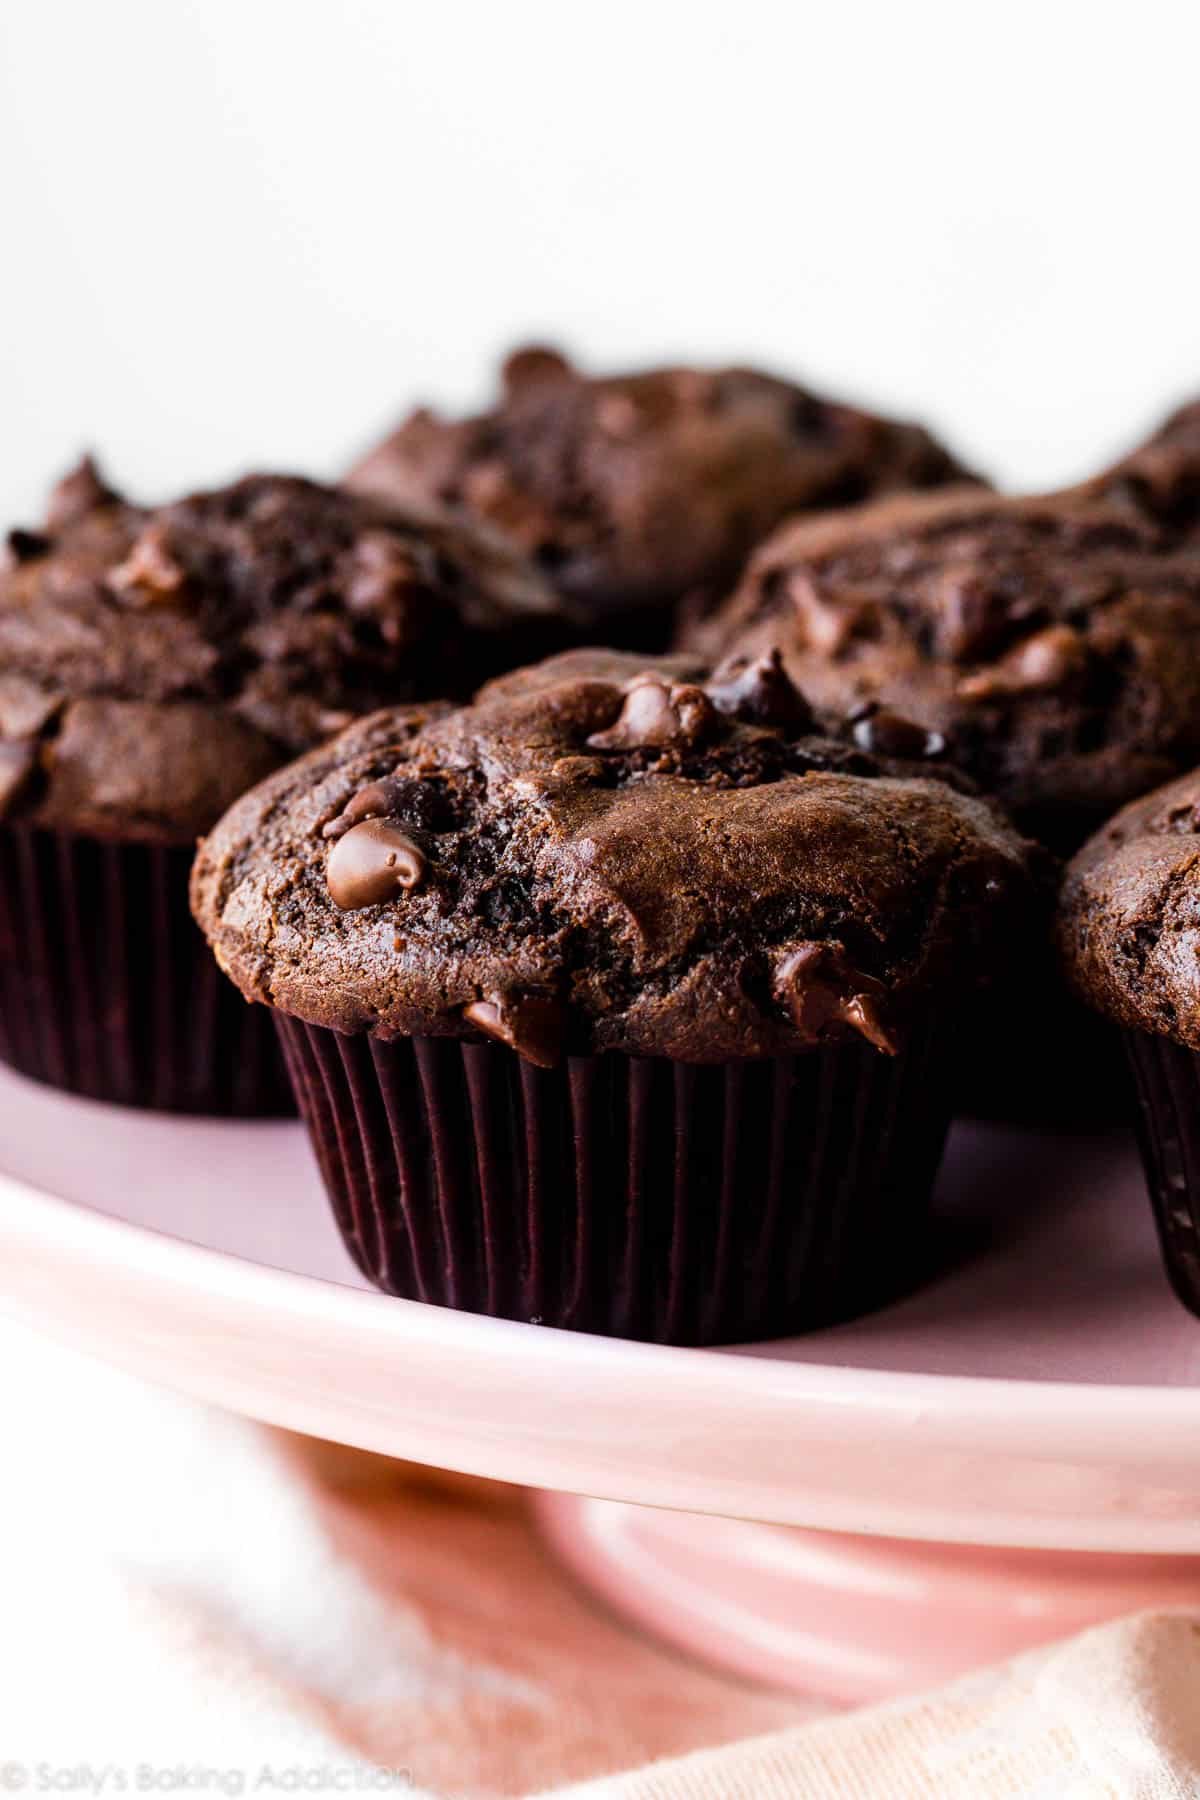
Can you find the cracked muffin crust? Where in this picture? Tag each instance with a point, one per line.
(608, 852)
(154, 663)
(1054, 642)
(1129, 915)
(636, 492)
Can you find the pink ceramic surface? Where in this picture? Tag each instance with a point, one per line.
(1042, 1392)
(855, 1618)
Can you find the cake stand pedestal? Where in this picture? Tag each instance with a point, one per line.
(853, 1618)
(1008, 1454)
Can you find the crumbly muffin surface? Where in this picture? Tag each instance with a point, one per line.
(636, 492)
(155, 663)
(610, 852)
(1054, 642)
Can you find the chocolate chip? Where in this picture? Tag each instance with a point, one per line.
(377, 800)
(761, 692)
(617, 415)
(820, 988)
(150, 575)
(374, 861)
(658, 716)
(332, 719)
(533, 363)
(77, 494)
(972, 614)
(1049, 659)
(883, 732)
(384, 572)
(830, 621)
(26, 546)
(530, 1024)
(18, 764)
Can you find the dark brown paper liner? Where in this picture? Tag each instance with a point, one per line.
(108, 989)
(1167, 1078)
(640, 1198)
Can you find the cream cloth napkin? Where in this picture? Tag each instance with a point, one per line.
(192, 1605)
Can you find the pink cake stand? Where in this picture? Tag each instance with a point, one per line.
(1009, 1454)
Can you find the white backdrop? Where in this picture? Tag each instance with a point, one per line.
(247, 231)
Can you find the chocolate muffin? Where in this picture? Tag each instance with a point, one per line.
(636, 492)
(1053, 642)
(614, 999)
(153, 665)
(1129, 931)
(1160, 479)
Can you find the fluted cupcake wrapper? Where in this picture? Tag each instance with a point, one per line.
(108, 989)
(1167, 1078)
(635, 1197)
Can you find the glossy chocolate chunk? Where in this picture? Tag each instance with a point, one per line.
(888, 733)
(150, 573)
(658, 715)
(821, 989)
(759, 690)
(375, 801)
(375, 860)
(26, 546)
(530, 1024)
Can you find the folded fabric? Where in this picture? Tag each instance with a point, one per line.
(1113, 1714)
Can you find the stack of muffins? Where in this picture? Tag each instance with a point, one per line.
(634, 817)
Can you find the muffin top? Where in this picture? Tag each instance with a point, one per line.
(1053, 641)
(1160, 480)
(155, 663)
(637, 491)
(1129, 914)
(608, 852)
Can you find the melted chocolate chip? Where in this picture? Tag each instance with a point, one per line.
(384, 571)
(26, 546)
(830, 623)
(377, 800)
(150, 574)
(18, 764)
(533, 362)
(760, 692)
(1049, 659)
(882, 732)
(617, 415)
(972, 614)
(374, 861)
(530, 1024)
(656, 716)
(820, 988)
(332, 719)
